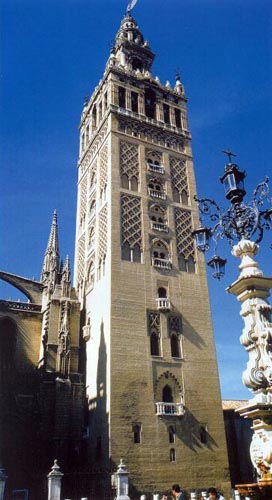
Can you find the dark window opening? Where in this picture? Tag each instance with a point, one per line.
(136, 434)
(137, 253)
(166, 113)
(122, 97)
(125, 181)
(172, 455)
(94, 117)
(154, 344)
(191, 265)
(150, 103)
(126, 253)
(184, 197)
(167, 395)
(178, 117)
(134, 183)
(134, 102)
(203, 435)
(176, 196)
(175, 346)
(162, 293)
(171, 434)
(182, 263)
(137, 64)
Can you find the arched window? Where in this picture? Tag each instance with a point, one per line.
(92, 208)
(150, 103)
(203, 435)
(176, 196)
(94, 117)
(172, 455)
(160, 251)
(171, 434)
(134, 183)
(126, 253)
(91, 237)
(182, 263)
(136, 429)
(162, 293)
(92, 180)
(122, 97)
(167, 395)
(191, 265)
(124, 181)
(90, 275)
(154, 344)
(136, 253)
(175, 345)
(8, 337)
(184, 197)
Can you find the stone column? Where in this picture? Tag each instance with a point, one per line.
(54, 482)
(252, 290)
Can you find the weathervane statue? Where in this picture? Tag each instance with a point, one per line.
(131, 5)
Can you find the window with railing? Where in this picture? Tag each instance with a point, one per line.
(160, 256)
(154, 166)
(158, 218)
(156, 189)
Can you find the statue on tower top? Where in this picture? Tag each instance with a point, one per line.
(131, 5)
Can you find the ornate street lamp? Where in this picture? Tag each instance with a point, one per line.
(243, 226)
(3, 480)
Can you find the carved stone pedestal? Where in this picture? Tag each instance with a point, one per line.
(255, 491)
(252, 290)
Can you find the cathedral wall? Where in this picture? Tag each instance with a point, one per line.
(28, 328)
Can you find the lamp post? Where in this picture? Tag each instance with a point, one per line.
(243, 225)
(3, 480)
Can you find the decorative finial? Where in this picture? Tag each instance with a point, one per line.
(229, 154)
(131, 5)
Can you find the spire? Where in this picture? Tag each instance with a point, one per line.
(51, 258)
(66, 277)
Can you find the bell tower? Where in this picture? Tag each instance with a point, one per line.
(151, 371)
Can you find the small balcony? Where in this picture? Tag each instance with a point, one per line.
(163, 304)
(152, 167)
(86, 332)
(157, 194)
(161, 263)
(159, 226)
(170, 409)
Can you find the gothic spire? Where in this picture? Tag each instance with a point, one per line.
(51, 258)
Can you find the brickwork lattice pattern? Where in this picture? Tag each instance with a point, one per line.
(103, 167)
(103, 229)
(178, 174)
(129, 159)
(154, 323)
(131, 220)
(174, 324)
(81, 259)
(185, 241)
(83, 199)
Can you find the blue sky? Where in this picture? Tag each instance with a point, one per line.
(53, 55)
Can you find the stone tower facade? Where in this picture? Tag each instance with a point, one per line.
(151, 372)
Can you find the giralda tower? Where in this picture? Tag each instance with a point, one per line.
(151, 371)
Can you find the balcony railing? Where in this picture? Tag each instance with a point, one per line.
(157, 194)
(152, 167)
(159, 226)
(170, 409)
(163, 304)
(161, 263)
(20, 306)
